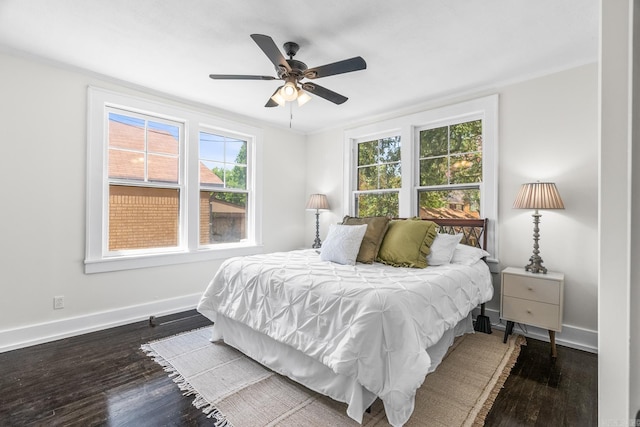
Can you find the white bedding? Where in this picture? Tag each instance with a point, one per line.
(368, 322)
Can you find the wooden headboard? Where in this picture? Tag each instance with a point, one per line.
(472, 230)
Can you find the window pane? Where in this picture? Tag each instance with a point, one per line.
(126, 165)
(236, 151)
(462, 203)
(433, 171)
(236, 177)
(389, 150)
(211, 147)
(368, 178)
(163, 138)
(433, 142)
(134, 154)
(466, 168)
(367, 153)
(143, 217)
(380, 204)
(466, 137)
(224, 158)
(162, 168)
(212, 173)
(390, 176)
(126, 132)
(223, 217)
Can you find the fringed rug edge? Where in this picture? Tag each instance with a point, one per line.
(187, 389)
(506, 366)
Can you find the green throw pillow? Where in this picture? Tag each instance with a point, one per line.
(376, 229)
(407, 243)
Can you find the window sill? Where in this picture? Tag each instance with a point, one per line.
(156, 260)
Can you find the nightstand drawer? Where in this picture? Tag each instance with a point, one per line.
(535, 289)
(534, 313)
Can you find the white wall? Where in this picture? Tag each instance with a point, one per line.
(325, 175)
(42, 214)
(548, 131)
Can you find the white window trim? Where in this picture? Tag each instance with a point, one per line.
(407, 127)
(96, 257)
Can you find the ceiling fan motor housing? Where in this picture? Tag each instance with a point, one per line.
(291, 48)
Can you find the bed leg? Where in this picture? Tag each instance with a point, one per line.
(483, 323)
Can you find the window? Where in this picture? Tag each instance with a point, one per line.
(446, 165)
(450, 171)
(223, 189)
(379, 177)
(144, 181)
(167, 185)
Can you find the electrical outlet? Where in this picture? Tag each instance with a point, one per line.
(58, 302)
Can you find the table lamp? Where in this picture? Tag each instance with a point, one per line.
(537, 195)
(317, 202)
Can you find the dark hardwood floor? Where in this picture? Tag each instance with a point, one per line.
(103, 378)
(545, 392)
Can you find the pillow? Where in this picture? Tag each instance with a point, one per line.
(342, 243)
(468, 255)
(376, 229)
(407, 242)
(442, 248)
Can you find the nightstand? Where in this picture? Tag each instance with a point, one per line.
(533, 299)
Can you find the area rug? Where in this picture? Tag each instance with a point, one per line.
(236, 391)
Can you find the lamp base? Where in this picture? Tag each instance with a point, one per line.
(535, 265)
(535, 262)
(317, 243)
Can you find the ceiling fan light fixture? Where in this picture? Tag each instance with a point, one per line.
(303, 97)
(278, 99)
(289, 91)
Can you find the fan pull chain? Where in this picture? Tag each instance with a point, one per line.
(290, 114)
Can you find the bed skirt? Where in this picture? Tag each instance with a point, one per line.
(309, 372)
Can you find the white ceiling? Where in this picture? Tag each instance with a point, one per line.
(416, 50)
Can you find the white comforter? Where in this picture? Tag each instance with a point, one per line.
(369, 322)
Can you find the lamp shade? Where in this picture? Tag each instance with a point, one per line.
(538, 195)
(317, 202)
(303, 97)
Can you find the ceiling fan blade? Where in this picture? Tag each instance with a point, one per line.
(270, 49)
(325, 93)
(239, 77)
(271, 102)
(340, 67)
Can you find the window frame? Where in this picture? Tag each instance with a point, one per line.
(357, 191)
(224, 189)
(438, 187)
(408, 126)
(97, 256)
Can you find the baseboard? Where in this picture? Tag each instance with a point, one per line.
(571, 336)
(26, 336)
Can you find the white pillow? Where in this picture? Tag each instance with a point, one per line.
(442, 248)
(467, 255)
(342, 243)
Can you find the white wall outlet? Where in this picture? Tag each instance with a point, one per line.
(58, 302)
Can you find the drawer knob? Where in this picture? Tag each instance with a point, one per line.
(530, 288)
(528, 311)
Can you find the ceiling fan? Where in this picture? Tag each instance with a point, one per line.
(292, 72)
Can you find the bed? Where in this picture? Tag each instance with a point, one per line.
(354, 332)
